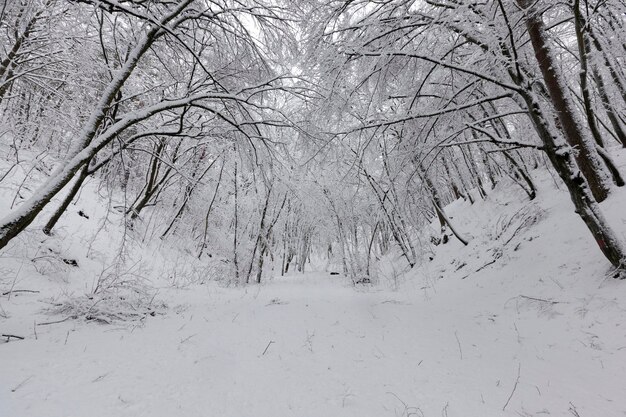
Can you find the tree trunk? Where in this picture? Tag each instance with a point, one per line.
(259, 238)
(583, 49)
(84, 172)
(208, 212)
(609, 65)
(150, 187)
(618, 129)
(443, 219)
(563, 161)
(588, 159)
(236, 221)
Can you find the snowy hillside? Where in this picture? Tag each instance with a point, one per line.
(523, 321)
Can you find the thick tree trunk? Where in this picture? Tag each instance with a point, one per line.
(583, 49)
(588, 159)
(563, 161)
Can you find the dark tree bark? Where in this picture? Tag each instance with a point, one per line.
(563, 161)
(151, 185)
(236, 221)
(443, 219)
(583, 49)
(618, 129)
(587, 157)
(264, 242)
(259, 238)
(617, 82)
(84, 172)
(208, 212)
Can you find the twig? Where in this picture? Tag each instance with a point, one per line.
(187, 338)
(519, 367)
(16, 275)
(21, 383)
(309, 340)
(481, 268)
(267, 347)
(573, 410)
(100, 377)
(459, 343)
(9, 336)
(54, 322)
(12, 291)
(486, 265)
(540, 299)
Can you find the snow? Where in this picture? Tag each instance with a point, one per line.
(443, 340)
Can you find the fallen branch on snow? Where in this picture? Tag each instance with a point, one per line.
(14, 291)
(267, 347)
(481, 268)
(519, 367)
(10, 336)
(540, 300)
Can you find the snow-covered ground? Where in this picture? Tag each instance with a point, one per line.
(525, 321)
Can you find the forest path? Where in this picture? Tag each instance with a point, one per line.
(310, 345)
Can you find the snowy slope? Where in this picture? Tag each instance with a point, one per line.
(525, 320)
